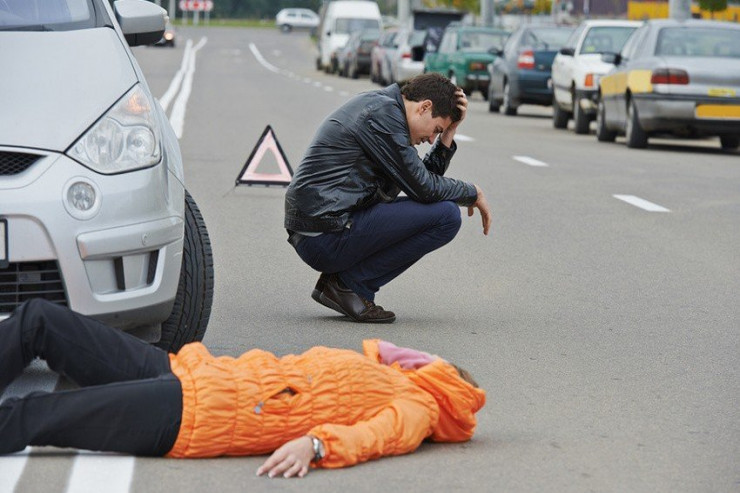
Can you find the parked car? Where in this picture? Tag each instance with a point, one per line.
(464, 55)
(168, 38)
(676, 77)
(288, 19)
(578, 66)
(339, 19)
(357, 53)
(94, 212)
(520, 74)
(407, 59)
(378, 56)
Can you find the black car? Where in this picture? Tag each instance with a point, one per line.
(521, 72)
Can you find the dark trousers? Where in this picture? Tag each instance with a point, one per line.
(382, 242)
(129, 400)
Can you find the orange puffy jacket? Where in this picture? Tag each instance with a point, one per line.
(359, 408)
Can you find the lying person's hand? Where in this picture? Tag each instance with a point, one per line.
(292, 459)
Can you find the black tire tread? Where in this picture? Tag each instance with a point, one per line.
(192, 309)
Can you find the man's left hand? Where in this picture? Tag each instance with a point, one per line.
(292, 459)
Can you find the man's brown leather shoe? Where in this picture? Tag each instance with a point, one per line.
(346, 301)
(319, 288)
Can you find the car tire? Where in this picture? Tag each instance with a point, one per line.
(508, 108)
(286, 28)
(729, 142)
(580, 118)
(192, 309)
(636, 136)
(603, 134)
(560, 117)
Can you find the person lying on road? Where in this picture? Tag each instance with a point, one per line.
(323, 408)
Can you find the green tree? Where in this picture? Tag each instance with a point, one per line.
(466, 5)
(713, 6)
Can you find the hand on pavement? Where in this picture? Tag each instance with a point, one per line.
(292, 459)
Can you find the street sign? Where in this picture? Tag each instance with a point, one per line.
(196, 5)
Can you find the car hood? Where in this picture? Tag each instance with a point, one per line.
(55, 85)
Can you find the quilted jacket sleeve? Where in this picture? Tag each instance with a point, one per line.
(397, 429)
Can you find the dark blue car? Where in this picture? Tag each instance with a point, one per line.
(521, 72)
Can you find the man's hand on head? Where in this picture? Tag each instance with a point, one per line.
(449, 134)
(485, 212)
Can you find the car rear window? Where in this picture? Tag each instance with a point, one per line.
(347, 26)
(699, 42)
(46, 15)
(606, 39)
(481, 41)
(549, 38)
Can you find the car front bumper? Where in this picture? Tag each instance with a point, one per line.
(119, 262)
(661, 112)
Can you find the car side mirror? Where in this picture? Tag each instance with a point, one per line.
(567, 51)
(417, 53)
(613, 58)
(142, 23)
(496, 51)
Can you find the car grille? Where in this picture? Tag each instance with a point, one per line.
(21, 281)
(12, 163)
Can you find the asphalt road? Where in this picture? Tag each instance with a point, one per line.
(607, 336)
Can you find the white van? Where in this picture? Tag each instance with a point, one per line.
(339, 19)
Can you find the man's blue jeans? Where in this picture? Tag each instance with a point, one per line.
(381, 242)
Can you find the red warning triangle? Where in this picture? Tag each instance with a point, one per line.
(249, 175)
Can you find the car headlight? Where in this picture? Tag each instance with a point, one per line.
(126, 138)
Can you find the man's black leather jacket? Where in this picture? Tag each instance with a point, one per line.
(362, 155)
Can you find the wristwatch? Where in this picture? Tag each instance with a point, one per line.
(318, 449)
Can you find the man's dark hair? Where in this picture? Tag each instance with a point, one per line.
(438, 89)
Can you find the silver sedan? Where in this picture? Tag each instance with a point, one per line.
(674, 77)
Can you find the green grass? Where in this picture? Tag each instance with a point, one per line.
(227, 22)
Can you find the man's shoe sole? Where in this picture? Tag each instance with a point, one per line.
(335, 306)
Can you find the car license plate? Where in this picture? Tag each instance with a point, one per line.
(718, 111)
(721, 92)
(3, 243)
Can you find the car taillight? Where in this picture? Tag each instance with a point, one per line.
(477, 66)
(406, 55)
(670, 76)
(589, 82)
(526, 59)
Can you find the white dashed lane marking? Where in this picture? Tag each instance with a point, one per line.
(530, 161)
(641, 203)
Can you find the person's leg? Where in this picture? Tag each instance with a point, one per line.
(140, 417)
(84, 350)
(383, 241)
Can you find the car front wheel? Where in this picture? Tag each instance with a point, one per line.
(192, 309)
(560, 117)
(509, 108)
(581, 120)
(603, 134)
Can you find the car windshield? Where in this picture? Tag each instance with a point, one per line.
(46, 15)
(606, 39)
(347, 26)
(549, 38)
(699, 42)
(481, 41)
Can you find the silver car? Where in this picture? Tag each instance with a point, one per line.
(673, 77)
(94, 213)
